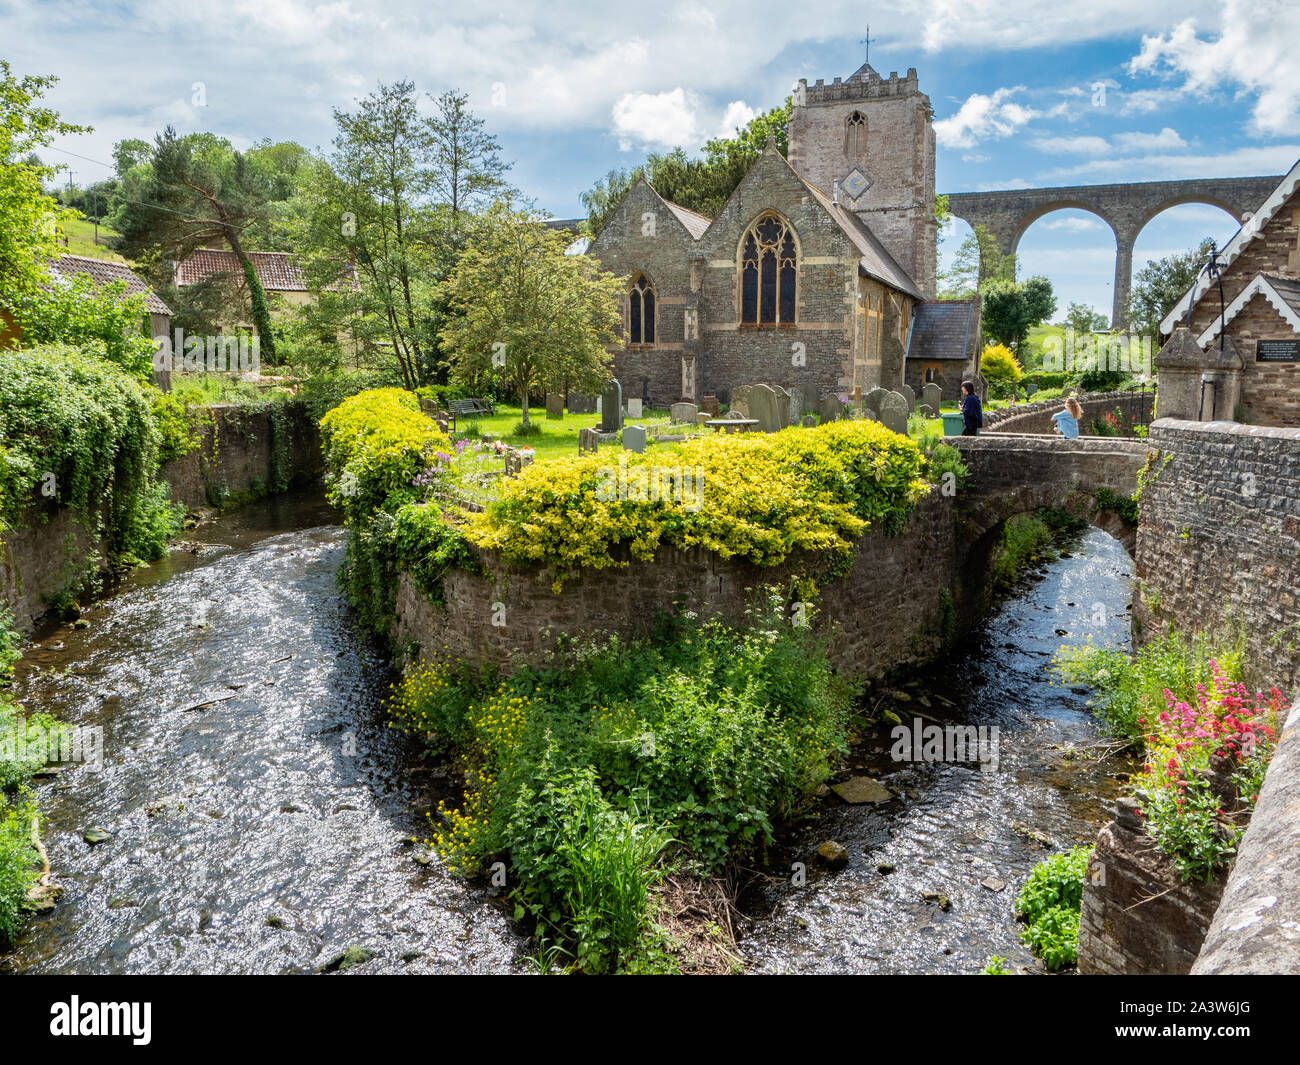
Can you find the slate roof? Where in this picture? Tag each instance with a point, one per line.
(101, 272)
(1288, 288)
(694, 222)
(876, 261)
(278, 271)
(941, 330)
(1282, 292)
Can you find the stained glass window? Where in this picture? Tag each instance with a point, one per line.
(768, 273)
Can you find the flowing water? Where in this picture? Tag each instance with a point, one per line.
(951, 827)
(260, 814)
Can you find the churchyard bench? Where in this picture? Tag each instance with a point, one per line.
(470, 407)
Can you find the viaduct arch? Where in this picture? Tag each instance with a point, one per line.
(1126, 208)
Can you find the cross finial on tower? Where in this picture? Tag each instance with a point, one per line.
(866, 43)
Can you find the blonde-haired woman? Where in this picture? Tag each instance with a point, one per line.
(1067, 421)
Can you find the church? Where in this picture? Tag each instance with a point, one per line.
(818, 274)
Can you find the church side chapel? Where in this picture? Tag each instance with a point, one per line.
(817, 275)
(1237, 357)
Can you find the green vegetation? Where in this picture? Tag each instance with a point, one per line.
(1207, 738)
(999, 366)
(1125, 506)
(76, 431)
(593, 776)
(1049, 904)
(1024, 540)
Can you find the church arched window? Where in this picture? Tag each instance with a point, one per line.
(855, 135)
(641, 311)
(768, 272)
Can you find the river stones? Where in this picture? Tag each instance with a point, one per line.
(96, 835)
(893, 412)
(857, 790)
(833, 855)
(350, 958)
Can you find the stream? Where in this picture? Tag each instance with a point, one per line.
(259, 813)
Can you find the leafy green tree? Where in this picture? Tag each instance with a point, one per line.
(198, 189)
(466, 168)
(1160, 284)
(1001, 369)
(1009, 309)
(1085, 320)
(28, 217)
(526, 312)
(978, 260)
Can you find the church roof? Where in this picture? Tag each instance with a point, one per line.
(865, 72)
(1240, 241)
(694, 222)
(876, 261)
(941, 330)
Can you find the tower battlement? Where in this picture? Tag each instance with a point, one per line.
(864, 85)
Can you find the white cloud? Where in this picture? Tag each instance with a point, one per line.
(1075, 224)
(1256, 49)
(737, 115)
(982, 118)
(1251, 159)
(658, 120)
(1071, 145)
(1166, 140)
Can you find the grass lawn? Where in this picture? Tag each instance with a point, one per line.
(559, 439)
(81, 240)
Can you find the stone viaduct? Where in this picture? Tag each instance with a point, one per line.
(1126, 208)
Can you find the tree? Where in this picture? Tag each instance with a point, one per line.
(466, 168)
(1009, 309)
(527, 312)
(1000, 369)
(1160, 284)
(978, 260)
(28, 217)
(198, 189)
(1084, 320)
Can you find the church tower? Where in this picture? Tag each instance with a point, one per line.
(873, 137)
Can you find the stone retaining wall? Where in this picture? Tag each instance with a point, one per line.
(887, 612)
(1037, 417)
(239, 458)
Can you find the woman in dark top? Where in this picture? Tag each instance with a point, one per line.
(972, 411)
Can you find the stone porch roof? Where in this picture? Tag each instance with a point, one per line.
(941, 330)
(1282, 292)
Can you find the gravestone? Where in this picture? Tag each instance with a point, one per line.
(809, 420)
(588, 441)
(554, 405)
(1030, 388)
(893, 412)
(634, 438)
(796, 406)
(611, 408)
(906, 392)
(702, 418)
(932, 396)
(924, 410)
(765, 406)
(581, 403)
(740, 400)
(784, 398)
(634, 408)
(683, 413)
(710, 405)
(831, 408)
(517, 462)
(872, 400)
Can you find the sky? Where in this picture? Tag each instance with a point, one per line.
(1026, 93)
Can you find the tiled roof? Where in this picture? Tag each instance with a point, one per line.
(941, 330)
(694, 222)
(101, 272)
(876, 261)
(278, 271)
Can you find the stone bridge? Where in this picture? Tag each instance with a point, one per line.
(1125, 208)
(1014, 473)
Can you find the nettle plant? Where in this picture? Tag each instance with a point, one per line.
(1204, 766)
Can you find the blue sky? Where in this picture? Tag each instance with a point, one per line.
(1191, 88)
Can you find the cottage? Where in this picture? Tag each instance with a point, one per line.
(1233, 352)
